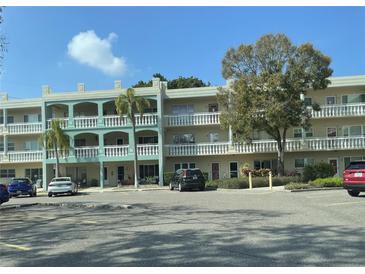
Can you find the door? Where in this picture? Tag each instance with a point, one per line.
(215, 171)
(106, 181)
(120, 175)
(334, 163)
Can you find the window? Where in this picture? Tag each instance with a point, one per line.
(349, 159)
(10, 119)
(213, 137)
(270, 164)
(307, 101)
(353, 98)
(184, 165)
(32, 118)
(331, 132)
(182, 109)
(213, 107)
(31, 145)
(301, 163)
(357, 130)
(330, 100)
(150, 110)
(233, 169)
(183, 139)
(148, 140)
(300, 132)
(148, 171)
(11, 146)
(105, 173)
(7, 173)
(33, 174)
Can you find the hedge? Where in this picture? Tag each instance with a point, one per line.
(320, 170)
(239, 183)
(327, 182)
(292, 186)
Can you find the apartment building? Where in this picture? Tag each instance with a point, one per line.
(180, 129)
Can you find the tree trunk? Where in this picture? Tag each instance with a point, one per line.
(281, 150)
(57, 162)
(135, 155)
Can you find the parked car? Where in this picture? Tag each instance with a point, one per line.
(22, 186)
(62, 185)
(4, 194)
(354, 178)
(191, 178)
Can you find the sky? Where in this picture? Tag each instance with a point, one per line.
(63, 46)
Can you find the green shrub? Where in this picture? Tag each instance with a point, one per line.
(327, 182)
(206, 176)
(319, 170)
(292, 186)
(211, 184)
(233, 183)
(167, 176)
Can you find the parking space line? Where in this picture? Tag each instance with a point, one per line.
(346, 203)
(19, 247)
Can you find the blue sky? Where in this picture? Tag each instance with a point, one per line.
(52, 45)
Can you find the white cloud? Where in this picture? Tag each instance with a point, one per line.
(89, 49)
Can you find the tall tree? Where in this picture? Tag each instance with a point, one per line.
(180, 82)
(129, 104)
(55, 139)
(269, 80)
(143, 84)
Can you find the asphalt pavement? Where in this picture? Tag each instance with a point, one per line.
(164, 228)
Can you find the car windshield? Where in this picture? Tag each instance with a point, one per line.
(356, 165)
(25, 181)
(60, 179)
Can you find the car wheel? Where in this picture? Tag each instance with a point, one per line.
(50, 194)
(353, 193)
(202, 188)
(171, 187)
(35, 194)
(31, 194)
(180, 188)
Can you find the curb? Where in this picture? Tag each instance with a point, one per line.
(316, 189)
(124, 190)
(70, 205)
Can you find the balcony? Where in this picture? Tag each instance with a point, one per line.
(86, 122)
(87, 152)
(116, 151)
(63, 121)
(267, 146)
(347, 110)
(197, 149)
(196, 119)
(147, 150)
(22, 156)
(148, 119)
(24, 128)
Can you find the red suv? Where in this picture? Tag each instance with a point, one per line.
(354, 178)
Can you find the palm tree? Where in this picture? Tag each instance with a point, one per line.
(54, 138)
(128, 104)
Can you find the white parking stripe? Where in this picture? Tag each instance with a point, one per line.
(346, 203)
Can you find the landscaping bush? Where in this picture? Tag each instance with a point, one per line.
(167, 176)
(320, 170)
(292, 186)
(255, 172)
(206, 176)
(327, 182)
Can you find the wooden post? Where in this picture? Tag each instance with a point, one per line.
(250, 180)
(270, 180)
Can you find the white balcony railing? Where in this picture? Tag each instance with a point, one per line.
(115, 121)
(113, 151)
(147, 150)
(86, 122)
(2, 128)
(51, 154)
(148, 119)
(197, 149)
(24, 128)
(63, 122)
(204, 118)
(25, 156)
(339, 111)
(86, 152)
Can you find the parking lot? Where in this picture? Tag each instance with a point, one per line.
(211, 228)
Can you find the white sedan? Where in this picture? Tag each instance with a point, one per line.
(62, 185)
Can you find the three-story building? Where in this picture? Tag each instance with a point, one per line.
(180, 129)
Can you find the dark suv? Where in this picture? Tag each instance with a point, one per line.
(191, 178)
(354, 178)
